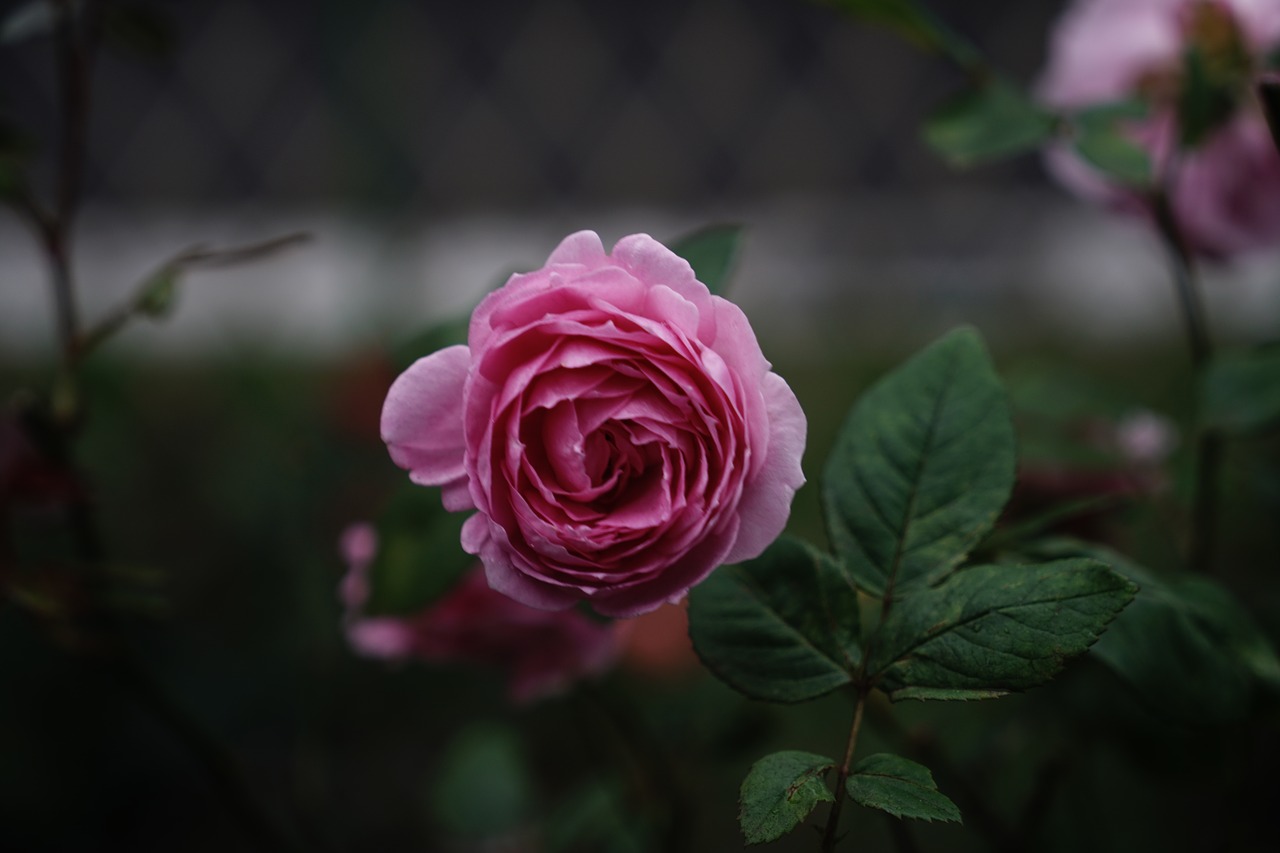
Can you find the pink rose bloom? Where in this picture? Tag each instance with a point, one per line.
(613, 426)
(541, 652)
(1226, 192)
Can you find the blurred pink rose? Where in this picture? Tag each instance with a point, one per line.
(614, 425)
(541, 652)
(1225, 192)
(1145, 438)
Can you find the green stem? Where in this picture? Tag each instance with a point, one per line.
(73, 42)
(1208, 452)
(1185, 281)
(829, 837)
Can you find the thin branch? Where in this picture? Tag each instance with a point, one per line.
(199, 255)
(1208, 458)
(122, 314)
(72, 44)
(1185, 279)
(831, 834)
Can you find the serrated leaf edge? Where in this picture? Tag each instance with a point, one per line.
(932, 788)
(806, 776)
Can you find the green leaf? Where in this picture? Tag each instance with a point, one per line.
(1105, 116)
(1191, 653)
(994, 121)
(445, 333)
(917, 24)
(1115, 155)
(782, 790)
(900, 787)
(711, 251)
(989, 630)
(482, 788)
(1240, 392)
(921, 469)
(420, 555)
(782, 627)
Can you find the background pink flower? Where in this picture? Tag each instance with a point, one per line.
(541, 652)
(1226, 191)
(613, 424)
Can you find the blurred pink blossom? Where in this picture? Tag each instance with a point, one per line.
(541, 652)
(1225, 192)
(1145, 438)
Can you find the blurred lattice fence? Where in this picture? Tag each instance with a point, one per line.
(515, 103)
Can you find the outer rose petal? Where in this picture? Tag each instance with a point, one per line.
(422, 417)
(581, 247)
(767, 504)
(654, 264)
(503, 575)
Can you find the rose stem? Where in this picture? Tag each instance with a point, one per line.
(842, 775)
(74, 43)
(1208, 458)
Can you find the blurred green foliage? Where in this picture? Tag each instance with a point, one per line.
(235, 478)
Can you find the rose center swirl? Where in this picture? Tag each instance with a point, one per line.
(611, 454)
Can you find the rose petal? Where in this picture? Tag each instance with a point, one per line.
(654, 264)
(506, 578)
(581, 247)
(766, 504)
(674, 581)
(422, 420)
